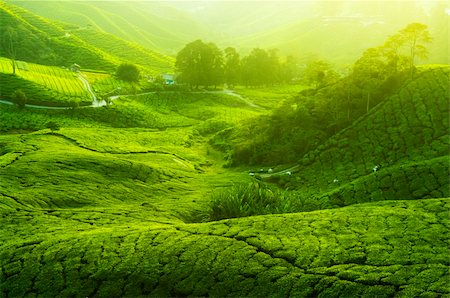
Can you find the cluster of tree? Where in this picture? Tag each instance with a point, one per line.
(316, 114)
(204, 64)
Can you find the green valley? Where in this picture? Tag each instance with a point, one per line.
(137, 160)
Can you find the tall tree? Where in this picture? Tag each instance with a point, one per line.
(213, 65)
(289, 69)
(319, 73)
(414, 37)
(232, 66)
(274, 67)
(200, 64)
(256, 68)
(369, 73)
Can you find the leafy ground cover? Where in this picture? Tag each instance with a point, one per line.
(399, 151)
(42, 84)
(112, 204)
(65, 44)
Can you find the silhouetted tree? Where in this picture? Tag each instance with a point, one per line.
(319, 73)
(128, 72)
(414, 37)
(369, 73)
(200, 64)
(256, 68)
(289, 69)
(232, 67)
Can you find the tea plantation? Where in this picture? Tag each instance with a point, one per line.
(43, 41)
(406, 138)
(43, 85)
(115, 203)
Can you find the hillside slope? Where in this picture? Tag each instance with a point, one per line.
(43, 41)
(42, 84)
(154, 25)
(96, 211)
(300, 28)
(79, 219)
(405, 138)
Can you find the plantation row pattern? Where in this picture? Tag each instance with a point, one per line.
(42, 84)
(360, 251)
(380, 138)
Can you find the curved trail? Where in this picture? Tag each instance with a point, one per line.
(101, 103)
(88, 88)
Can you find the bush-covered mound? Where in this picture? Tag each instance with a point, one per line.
(411, 126)
(101, 208)
(399, 151)
(360, 251)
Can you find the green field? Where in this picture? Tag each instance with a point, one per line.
(113, 188)
(113, 204)
(42, 84)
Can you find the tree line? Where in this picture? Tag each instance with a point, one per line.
(205, 64)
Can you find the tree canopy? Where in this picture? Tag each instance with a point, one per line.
(128, 72)
(204, 64)
(200, 64)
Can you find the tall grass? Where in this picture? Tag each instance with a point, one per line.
(246, 199)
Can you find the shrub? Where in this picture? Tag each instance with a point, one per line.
(20, 98)
(247, 199)
(128, 72)
(53, 125)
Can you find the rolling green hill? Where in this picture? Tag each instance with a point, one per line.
(400, 134)
(64, 44)
(154, 25)
(116, 201)
(42, 84)
(104, 206)
(301, 28)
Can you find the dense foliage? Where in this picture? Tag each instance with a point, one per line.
(128, 72)
(307, 120)
(201, 64)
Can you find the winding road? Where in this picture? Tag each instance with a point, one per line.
(101, 103)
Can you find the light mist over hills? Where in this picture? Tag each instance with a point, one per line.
(335, 30)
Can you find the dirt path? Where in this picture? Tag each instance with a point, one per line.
(101, 103)
(88, 88)
(232, 93)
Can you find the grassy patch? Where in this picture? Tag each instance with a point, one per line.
(270, 97)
